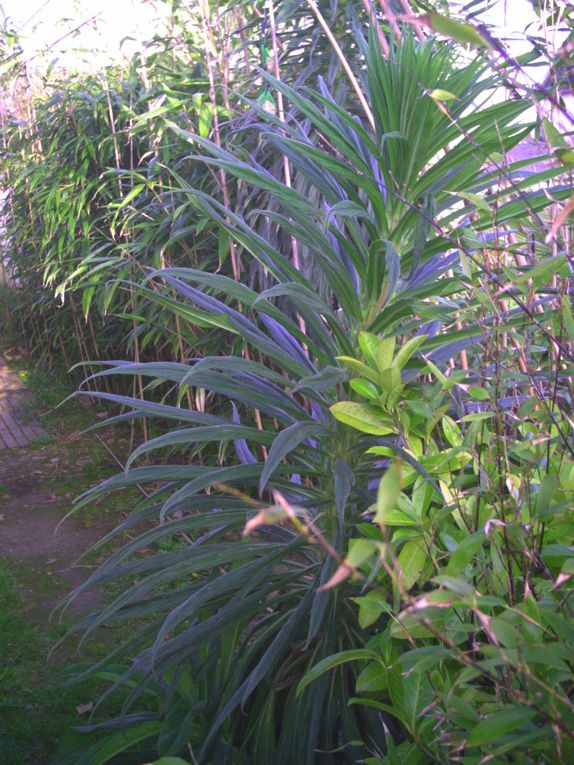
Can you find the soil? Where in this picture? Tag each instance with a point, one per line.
(37, 544)
(42, 547)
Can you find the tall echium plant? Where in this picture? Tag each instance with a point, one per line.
(231, 625)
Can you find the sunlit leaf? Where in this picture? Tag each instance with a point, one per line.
(388, 492)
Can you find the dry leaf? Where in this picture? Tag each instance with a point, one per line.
(560, 219)
(267, 517)
(342, 572)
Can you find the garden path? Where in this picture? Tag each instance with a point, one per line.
(17, 425)
(36, 492)
(41, 552)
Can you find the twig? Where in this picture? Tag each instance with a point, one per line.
(344, 63)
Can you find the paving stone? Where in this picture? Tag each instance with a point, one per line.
(18, 427)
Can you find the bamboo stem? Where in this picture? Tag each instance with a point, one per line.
(117, 156)
(210, 49)
(382, 39)
(344, 63)
(281, 115)
(405, 5)
(389, 15)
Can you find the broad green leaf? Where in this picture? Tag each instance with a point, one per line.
(87, 297)
(362, 417)
(407, 350)
(385, 353)
(422, 659)
(420, 408)
(479, 202)
(388, 493)
(412, 560)
(442, 95)
(480, 394)
(411, 693)
(397, 517)
(372, 678)
(369, 344)
(552, 655)
(451, 431)
(566, 156)
(500, 723)
(547, 489)
(422, 495)
(408, 626)
(554, 136)
(504, 631)
(137, 189)
(364, 388)
(464, 553)
(359, 368)
(371, 606)
(567, 318)
(444, 381)
(360, 550)
(382, 451)
(390, 381)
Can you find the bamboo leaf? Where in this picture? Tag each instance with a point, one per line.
(497, 725)
(459, 31)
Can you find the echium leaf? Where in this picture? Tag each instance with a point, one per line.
(241, 448)
(285, 442)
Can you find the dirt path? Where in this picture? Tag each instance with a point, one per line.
(41, 551)
(38, 483)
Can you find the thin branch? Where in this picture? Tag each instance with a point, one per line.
(344, 63)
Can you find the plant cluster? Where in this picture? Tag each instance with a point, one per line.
(355, 544)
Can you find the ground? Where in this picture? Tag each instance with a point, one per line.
(40, 564)
(37, 545)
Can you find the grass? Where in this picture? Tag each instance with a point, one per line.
(52, 391)
(35, 711)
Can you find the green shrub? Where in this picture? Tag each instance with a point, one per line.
(468, 559)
